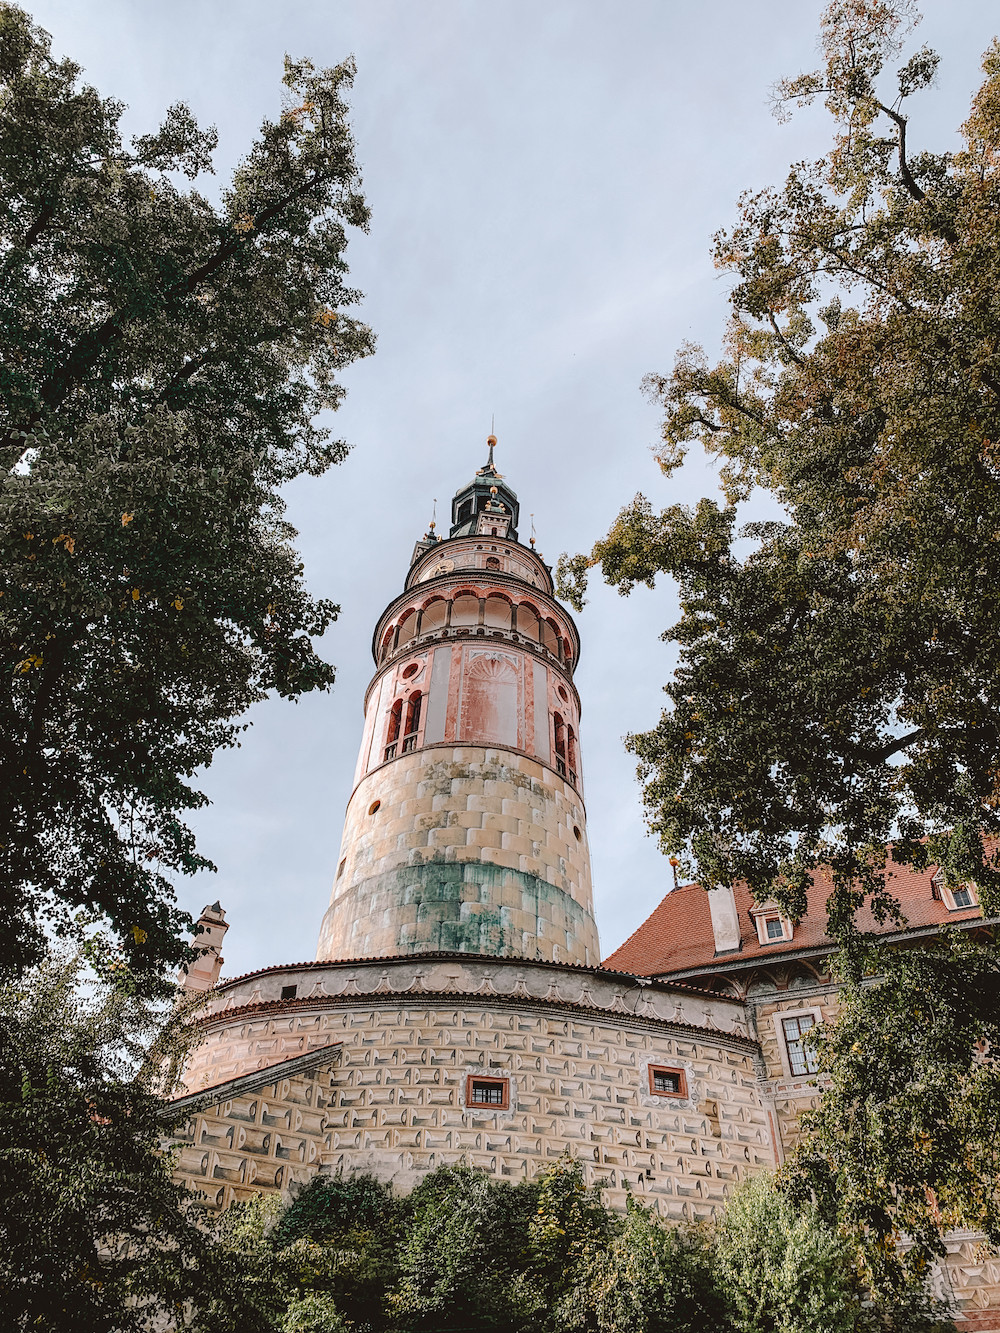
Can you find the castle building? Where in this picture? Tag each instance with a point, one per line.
(457, 1009)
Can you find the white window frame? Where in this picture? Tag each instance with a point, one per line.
(769, 912)
(779, 1026)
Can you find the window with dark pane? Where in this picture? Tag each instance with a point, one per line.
(667, 1082)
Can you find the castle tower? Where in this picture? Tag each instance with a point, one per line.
(466, 829)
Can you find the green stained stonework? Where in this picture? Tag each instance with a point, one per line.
(469, 908)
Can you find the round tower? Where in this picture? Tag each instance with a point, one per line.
(466, 829)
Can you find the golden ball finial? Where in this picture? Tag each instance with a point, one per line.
(491, 440)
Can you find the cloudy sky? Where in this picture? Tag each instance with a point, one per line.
(545, 179)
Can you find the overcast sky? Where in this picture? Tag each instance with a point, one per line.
(544, 179)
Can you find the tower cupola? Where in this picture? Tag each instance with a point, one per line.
(487, 505)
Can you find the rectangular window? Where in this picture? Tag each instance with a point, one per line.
(775, 928)
(491, 1094)
(667, 1082)
(963, 897)
(800, 1060)
(289, 992)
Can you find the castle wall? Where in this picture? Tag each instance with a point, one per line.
(391, 1098)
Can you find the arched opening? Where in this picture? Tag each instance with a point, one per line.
(559, 729)
(465, 610)
(571, 753)
(392, 735)
(497, 613)
(407, 628)
(412, 721)
(386, 644)
(435, 615)
(567, 652)
(549, 637)
(528, 621)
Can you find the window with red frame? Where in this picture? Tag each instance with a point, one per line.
(487, 1094)
(665, 1081)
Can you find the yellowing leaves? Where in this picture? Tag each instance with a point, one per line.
(136, 594)
(127, 519)
(32, 660)
(178, 603)
(68, 542)
(139, 935)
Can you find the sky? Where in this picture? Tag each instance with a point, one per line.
(545, 178)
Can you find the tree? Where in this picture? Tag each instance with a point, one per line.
(839, 687)
(838, 690)
(651, 1278)
(782, 1269)
(462, 1252)
(94, 1234)
(903, 1144)
(164, 360)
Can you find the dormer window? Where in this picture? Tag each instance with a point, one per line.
(772, 926)
(958, 899)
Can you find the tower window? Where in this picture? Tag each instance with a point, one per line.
(340, 868)
(465, 512)
(392, 735)
(374, 808)
(488, 1093)
(492, 562)
(289, 992)
(667, 1082)
(411, 670)
(412, 721)
(559, 731)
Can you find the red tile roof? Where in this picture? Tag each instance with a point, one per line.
(678, 935)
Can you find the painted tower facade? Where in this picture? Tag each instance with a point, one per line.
(466, 828)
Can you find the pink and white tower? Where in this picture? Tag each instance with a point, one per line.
(466, 829)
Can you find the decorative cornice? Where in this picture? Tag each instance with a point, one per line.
(616, 1015)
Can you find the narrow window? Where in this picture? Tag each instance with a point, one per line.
(559, 729)
(492, 1093)
(800, 1060)
(667, 1082)
(412, 722)
(571, 752)
(392, 735)
(775, 929)
(340, 868)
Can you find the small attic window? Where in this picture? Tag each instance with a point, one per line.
(958, 899)
(772, 926)
(289, 992)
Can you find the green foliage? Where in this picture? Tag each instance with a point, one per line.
(651, 1278)
(462, 1253)
(165, 360)
(782, 1269)
(840, 685)
(94, 1235)
(904, 1143)
(357, 1222)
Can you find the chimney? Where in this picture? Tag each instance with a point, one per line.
(725, 919)
(203, 973)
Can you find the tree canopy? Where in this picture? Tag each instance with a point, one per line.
(164, 361)
(839, 687)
